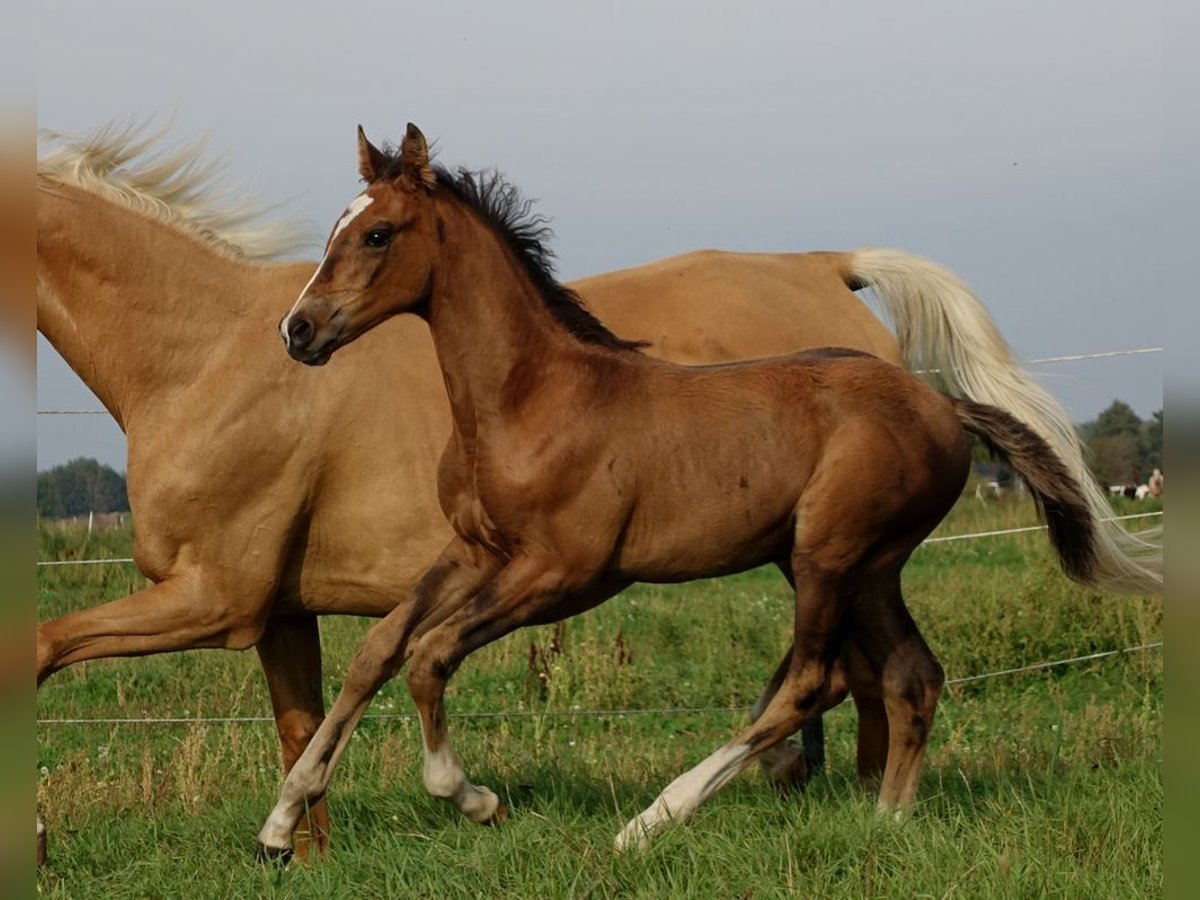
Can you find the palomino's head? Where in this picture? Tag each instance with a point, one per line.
(379, 258)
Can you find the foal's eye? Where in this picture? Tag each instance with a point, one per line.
(377, 237)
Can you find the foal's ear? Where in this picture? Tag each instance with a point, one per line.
(371, 161)
(414, 157)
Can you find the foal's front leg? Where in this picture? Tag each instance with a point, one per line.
(527, 591)
(457, 574)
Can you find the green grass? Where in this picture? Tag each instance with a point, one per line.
(1040, 784)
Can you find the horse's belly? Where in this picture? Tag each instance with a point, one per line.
(705, 539)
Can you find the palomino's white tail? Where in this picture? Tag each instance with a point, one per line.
(947, 336)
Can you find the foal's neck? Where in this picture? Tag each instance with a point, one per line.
(495, 337)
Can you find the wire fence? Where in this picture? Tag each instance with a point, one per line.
(572, 713)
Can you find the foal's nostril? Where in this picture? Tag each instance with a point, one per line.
(300, 332)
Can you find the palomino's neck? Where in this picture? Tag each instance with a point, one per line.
(494, 336)
(130, 303)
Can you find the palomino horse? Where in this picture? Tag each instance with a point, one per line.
(578, 465)
(265, 494)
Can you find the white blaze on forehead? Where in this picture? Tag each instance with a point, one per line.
(357, 205)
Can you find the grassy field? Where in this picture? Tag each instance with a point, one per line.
(1043, 784)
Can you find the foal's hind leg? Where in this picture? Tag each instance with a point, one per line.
(910, 683)
(866, 689)
(802, 693)
(788, 764)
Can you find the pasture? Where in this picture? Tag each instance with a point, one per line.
(1045, 783)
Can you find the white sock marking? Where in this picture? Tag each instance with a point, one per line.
(683, 795)
(445, 778)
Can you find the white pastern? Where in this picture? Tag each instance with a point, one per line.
(683, 795)
(445, 778)
(443, 772)
(307, 779)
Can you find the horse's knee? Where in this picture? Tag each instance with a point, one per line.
(295, 728)
(809, 686)
(425, 675)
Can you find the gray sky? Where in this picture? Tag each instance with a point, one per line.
(1019, 143)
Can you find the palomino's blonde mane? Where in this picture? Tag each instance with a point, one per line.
(178, 187)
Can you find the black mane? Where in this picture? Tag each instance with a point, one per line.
(509, 215)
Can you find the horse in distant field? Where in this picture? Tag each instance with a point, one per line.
(1155, 483)
(266, 495)
(577, 465)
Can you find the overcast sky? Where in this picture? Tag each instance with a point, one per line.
(1019, 143)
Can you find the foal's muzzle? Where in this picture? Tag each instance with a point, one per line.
(299, 337)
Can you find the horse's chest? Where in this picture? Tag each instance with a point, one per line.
(478, 510)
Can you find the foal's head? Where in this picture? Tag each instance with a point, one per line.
(379, 258)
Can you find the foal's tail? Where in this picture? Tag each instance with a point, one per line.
(1058, 494)
(947, 336)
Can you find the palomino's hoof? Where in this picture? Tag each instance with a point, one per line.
(265, 854)
(41, 843)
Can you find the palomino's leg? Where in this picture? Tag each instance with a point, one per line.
(910, 680)
(457, 574)
(290, 652)
(180, 613)
(803, 692)
(789, 765)
(527, 591)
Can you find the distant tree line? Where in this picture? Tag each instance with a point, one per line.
(1124, 448)
(80, 487)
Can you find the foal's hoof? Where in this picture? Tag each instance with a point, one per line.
(265, 854)
(634, 838)
(499, 817)
(41, 842)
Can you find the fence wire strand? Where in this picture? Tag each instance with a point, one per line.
(570, 713)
